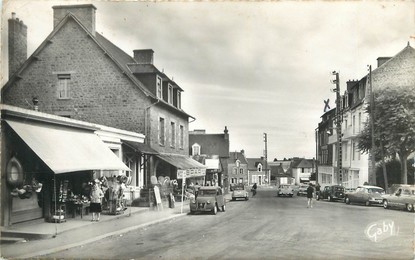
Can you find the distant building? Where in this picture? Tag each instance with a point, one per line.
(211, 150)
(257, 172)
(301, 169)
(237, 169)
(280, 173)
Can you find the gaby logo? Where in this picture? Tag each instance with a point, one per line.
(381, 230)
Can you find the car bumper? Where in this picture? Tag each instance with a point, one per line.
(376, 201)
(201, 207)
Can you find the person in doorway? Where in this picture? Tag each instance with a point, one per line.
(96, 198)
(254, 187)
(310, 191)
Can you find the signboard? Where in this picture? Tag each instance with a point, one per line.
(157, 195)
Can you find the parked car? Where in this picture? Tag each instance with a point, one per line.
(302, 190)
(365, 194)
(332, 193)
(208, 199)
(285, 190)
(403, 198)
(239, 192)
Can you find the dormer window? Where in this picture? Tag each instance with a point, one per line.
(159, 90)
(170, 94)
(179, 100)
(238, 163)
(195, 149)
(259, 167)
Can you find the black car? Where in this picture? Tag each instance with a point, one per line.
(332, 193)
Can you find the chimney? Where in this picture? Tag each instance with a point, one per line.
(226, 133)
(243, 152)
(84, 13)
(382, 60)
(17, 44)
(144, 56)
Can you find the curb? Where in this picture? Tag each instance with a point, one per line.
(118, 232)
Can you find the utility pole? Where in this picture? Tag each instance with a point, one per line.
(266, 159)
(338, 127)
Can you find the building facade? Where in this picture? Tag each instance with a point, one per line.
(77, 73)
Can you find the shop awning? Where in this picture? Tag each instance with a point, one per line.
(185, 165)
(141, 147)
(64, 149)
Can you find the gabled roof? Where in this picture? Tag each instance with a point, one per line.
(253, 163)
(233, 156)
(118, 56)
(301, 163)
(277, 170)
(211, 144)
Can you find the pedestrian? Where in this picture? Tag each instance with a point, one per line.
(317, 191)
(310, 191)
(96, 198)
(254, 189)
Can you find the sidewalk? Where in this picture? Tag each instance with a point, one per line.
(77, 232)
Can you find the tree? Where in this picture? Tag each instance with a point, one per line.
(394, 126)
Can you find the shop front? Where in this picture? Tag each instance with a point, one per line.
(186, 172)
(47, 164)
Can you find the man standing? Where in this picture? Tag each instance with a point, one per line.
(310, 191)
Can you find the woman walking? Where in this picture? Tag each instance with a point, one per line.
(96, 198)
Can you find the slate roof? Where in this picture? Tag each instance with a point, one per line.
(118, 56)
(253, 163)
(233, 156)
(210, 144)
(301, 163)
(277, 170)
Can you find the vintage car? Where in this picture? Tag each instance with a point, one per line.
(365, 194)
(332, 193)
(403, 198)
(239, 192)
(302, 190)
(285, 190)
(208, 199)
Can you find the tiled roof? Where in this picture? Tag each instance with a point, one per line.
(253, 163)
(301, 163)
(210, 144)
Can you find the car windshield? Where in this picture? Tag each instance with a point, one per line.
(338, 188)
(238, 187)
(375, 190)
(207, 192)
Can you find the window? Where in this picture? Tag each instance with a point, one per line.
(159, 90)
(302, 170)
(195, 149)
(235, 170)
(260, 167)
(170, 94)
(63, 86)
(241, 171)
(181, 137)
(238, 163)
(360, 121)
(241, 180)
(354, 124)
(179, 99)
(353, 150)
(162, 131)
(173, 134)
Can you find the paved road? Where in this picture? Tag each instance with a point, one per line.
(267, 227)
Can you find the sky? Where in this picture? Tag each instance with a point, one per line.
(254, 67)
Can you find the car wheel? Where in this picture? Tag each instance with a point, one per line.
(291, 195)
(329, 198)
(347, 200)
(246, 198)
(215, 210)
(409, 207)
(367, 203)
(233, 199)
(223, 208)
(385, 204)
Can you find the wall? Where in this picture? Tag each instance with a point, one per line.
(98, 87)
